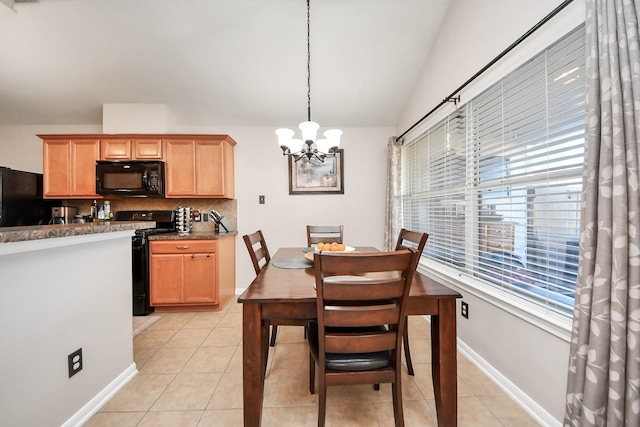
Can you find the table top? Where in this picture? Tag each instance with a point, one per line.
(275, 284)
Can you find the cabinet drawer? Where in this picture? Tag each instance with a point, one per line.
(183, 246)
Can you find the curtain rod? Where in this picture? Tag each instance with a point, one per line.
(451, 97)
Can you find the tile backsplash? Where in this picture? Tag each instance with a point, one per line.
(226, 207)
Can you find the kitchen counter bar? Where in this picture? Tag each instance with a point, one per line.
(39, 232)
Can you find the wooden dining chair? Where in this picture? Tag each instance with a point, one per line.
(324, 234)
(259, 253)
(417, 240)
(357, 337)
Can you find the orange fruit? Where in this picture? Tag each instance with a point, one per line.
(341, 247)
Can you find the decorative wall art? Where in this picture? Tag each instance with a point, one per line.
(316, 177)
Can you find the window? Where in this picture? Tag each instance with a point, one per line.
(498, 183)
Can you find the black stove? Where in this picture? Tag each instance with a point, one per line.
(165, 223)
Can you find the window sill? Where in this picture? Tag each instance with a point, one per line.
(545, 319)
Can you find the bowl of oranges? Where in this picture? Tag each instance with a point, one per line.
(332, 247)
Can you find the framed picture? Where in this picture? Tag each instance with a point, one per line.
(316, 177)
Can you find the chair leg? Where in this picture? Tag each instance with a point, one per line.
(274, 335)
(322, 399)
(265, 350)
(312, 374)
(398, 414)
(407, 350)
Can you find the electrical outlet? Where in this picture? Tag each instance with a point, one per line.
(74, 362)
(464, 309)
(261, 199)
(204, 217)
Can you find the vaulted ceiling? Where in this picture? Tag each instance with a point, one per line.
(214, 62)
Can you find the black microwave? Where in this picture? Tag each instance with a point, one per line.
(137, 178)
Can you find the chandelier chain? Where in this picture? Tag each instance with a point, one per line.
(308, 63)
(308, 147)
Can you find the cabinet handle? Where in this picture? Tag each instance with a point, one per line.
(208, 255)
(182, 247)
(193, 256)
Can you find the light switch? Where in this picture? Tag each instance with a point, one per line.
(261, 199)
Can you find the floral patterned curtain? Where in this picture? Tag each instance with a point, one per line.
(393, 214)
(604, 365)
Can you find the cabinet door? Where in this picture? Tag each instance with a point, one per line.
(165, 276)
(200, 278)
(56, 168)
(209, 163)
(147, 149)
(179, 169)
(115, 149)
(84, 154)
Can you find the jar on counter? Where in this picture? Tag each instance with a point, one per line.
(107, 209)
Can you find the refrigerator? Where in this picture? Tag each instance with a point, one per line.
(21, 201)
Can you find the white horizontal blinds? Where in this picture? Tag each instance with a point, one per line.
(528, 141)
(497, 184)
(434, 168)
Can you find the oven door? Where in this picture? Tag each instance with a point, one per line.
(130, 178)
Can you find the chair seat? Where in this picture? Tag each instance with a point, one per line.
(348, 361)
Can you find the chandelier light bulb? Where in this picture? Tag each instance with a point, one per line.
(323, 145)
(333, 138)
(284, 136)
(309, 130)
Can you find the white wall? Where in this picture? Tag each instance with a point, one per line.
(54, 300)
(528, 361)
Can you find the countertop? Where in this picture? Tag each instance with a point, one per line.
(195, 235)
(39, 232)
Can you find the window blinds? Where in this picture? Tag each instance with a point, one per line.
(498, 183)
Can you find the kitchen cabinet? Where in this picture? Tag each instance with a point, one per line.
(69, 168)
(131, 149)
(191, 274)
(196, 166)
(200, 167)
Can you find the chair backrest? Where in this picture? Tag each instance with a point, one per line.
(411, 239)
(258, 251)
(324, 234)
(363, 290)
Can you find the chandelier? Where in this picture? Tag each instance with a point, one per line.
(309, 147)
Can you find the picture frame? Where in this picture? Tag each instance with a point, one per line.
(316, 177)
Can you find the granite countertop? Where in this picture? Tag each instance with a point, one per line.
(194, 235)
(39, 232)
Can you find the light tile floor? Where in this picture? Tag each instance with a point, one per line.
(190, 374)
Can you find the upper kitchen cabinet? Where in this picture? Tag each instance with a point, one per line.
(199, 166)
(69, 169)
(131, 149)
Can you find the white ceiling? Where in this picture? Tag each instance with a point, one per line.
(214, 62)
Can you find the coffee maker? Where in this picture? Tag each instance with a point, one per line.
(63, 214)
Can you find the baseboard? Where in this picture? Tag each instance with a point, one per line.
(94, 405)
(526, 403)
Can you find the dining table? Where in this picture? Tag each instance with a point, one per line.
(285, 290)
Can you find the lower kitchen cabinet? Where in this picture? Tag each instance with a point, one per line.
(188, 275)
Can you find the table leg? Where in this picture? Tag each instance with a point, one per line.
(444, 363)
(253, 341)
